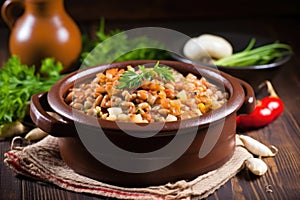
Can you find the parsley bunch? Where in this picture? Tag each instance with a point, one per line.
(116, 46)
(19, 82)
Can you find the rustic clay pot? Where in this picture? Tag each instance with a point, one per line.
(41, 29)
(213, 134)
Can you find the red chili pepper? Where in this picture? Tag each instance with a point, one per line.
(264, 113)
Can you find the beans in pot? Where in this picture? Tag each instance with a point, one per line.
(154, 100)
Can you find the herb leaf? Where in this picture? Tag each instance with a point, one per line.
(19, 82)
(116, 45)
(131, 79)
(164, 72)
(146, 74)
(50, 68)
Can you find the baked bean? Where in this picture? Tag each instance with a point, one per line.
(155, 100)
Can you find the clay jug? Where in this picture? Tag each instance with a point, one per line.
(40, 29)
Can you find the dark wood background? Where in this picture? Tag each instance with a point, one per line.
(88, 11)
(178, 9)
(174, 14)
(278, 20)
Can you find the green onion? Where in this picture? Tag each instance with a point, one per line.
(256, 56)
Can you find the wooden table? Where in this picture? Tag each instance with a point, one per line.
(283, 176)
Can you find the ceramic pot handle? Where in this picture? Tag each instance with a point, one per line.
(38, 111)
(249, 101)
(11, 10)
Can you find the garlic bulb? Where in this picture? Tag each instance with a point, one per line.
(194, 51)
(216, 46)
(207, 45)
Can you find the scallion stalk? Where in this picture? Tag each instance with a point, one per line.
(256, 56)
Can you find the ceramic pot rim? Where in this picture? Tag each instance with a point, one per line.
(233, 86)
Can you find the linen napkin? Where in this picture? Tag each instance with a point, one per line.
(42, 161)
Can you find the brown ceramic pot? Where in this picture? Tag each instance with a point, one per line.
(201, 144)
(41, 29)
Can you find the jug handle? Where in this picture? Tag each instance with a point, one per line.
(11, 10)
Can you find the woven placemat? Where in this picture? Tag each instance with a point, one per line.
(42, 162)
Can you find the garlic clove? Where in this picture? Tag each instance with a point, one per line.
(257, 147)
(12, 129)
(256, 166)
(35, 134)
(238, 141)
